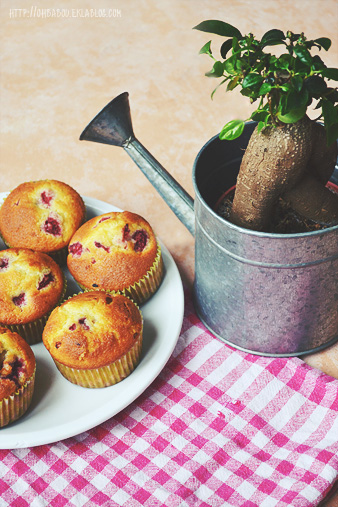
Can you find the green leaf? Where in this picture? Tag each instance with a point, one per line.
(220, 84)
(292, 116)
(330, 73)
(232, 130)
(303, 54)
(236, 48)
(274, 43)
(264, 89)
(206, 48)
(332, 134)
(282, 107)
(330, 113)
(317, 63)
(233, 83)
(252, 79)
(226, 46)
(246, 92)
(286, 87)
(316, 85)
(216, 71)
(260, 126)
(273, 38)
(284, 61)
(297, 83)
(218, 28)
(332, 95)
(295, 100)
(230, 65)
(260, 115)
(301, 68)
(324, 42)
(239, 64)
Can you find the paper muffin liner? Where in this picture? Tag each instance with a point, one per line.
(32, 331)
(143, 289)
(104, 376)
(14, 406)
(59, 256)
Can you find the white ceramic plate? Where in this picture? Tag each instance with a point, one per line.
(60, 409)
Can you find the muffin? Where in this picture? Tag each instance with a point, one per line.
(31, 285)
(43, 216)
(17, 375)
(95, 338)
(117, 252)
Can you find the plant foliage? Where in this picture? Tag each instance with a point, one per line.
(284, 86)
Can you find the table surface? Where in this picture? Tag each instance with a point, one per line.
(59, 69)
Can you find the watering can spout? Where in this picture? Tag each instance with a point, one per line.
(113, 126)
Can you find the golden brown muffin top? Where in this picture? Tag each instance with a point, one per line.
(92, 329)
(17, 362)
(112, 251)
(31, 284)
(41, 215)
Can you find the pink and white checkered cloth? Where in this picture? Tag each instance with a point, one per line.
(218, 427)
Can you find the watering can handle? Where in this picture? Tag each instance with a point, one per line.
(113, 126)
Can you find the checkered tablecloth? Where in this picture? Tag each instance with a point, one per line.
(218, 427)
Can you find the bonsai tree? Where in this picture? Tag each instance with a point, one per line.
(289, 156)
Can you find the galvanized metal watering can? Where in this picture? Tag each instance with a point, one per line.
(264, 293)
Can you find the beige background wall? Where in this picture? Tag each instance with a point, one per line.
(58, 72)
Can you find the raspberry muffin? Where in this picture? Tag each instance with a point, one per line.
(117, 252)
(17, 375)
(42, 215)
(95, 338)
(31, 285)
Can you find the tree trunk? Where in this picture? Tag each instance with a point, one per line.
(292, 162)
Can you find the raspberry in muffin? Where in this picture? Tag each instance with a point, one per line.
(31, 285)
(41, 215)
(117, 252)
(17, 375)
(95, 338)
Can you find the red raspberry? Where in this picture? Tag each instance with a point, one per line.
(19, 300)
(46, 280)
(76, 249)
(126, 233)
(52, 226)
(3, 264)
(99, 245)
(13, 370)
(46, 198)
(83, 323)
(140, 237)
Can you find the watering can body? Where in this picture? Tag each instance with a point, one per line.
(264, 293)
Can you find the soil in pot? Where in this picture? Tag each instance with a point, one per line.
(285, 220)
